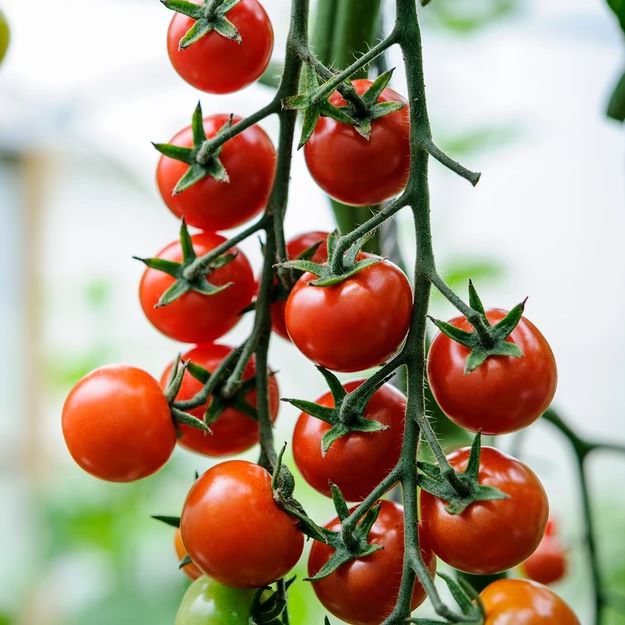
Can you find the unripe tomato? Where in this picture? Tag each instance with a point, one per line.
(360, 171)
(521, 602)
(195, 317)
(190, 569)
(353, 325)
(364, 591)
(216, 64)
(374, 453)
(117, 424)
(250, 161)
(502, 395)
(234, 530)
(207, 602)
(547, 564)
(489, 536)
(5, 36)
(234, 431)
(294, 248)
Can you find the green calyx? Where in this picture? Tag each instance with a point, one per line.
(326, 273)
(203, 160)
(486, 340)
(458, 490)
(345, 417)
(186, 279)
(314, 103)
(209, 16)
(269, 607)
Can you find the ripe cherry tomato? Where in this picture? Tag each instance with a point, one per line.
(353, 325)
(294, 248)
(489, 536)
(216, 64)
(364, 591)
(117, 424)
(521, 602)
(355, 170)
(547, 564)
(503, 394)
(234, 431)
(207, 602)
(234, 530)
(374, 453)
(249, 159)
(195, 317)
(190, 569)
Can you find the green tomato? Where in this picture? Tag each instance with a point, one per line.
(207, 602)
(4, 36)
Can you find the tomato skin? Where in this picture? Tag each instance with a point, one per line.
(207, 602)
(249, 159)
(294, 248)
(234, 432)
(354, 325)
(374, 453)
(356, 171)
(547, 564)
(522, 602)
(190, 569)
(233, 529)
(364, 591)
(194, 317)
(489, 536)
(503, 394)
(117, 424)
(215, 64)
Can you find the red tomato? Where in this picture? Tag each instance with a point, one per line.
(489, 536)
(355, 170)
(521, 602)
(502, 395)
(216, 64)
(364, 591)
(249, 159)
(194, 317)
(234, 530)
(547, 564)
(117, 424)
(234, 431)
(294, 248)
(354, 325)
(374, 453)
(190, 569)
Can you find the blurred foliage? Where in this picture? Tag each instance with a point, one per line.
(616, 103)
(479, 139)
(465, 18)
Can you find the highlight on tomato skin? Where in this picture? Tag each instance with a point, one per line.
(234, 431)
(488, 538)
(117, 424)
(504, 394)
(216, 64)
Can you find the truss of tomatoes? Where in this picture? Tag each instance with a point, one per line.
(233, 535)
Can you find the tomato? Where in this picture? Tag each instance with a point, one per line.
(249, 159)
(355, 170)
(504, 394)
(5, 36)
(195, 317)
(234, 530)
(364, 591)
(489, 536)
(521, 602)
(190, 569)
(216, 64)
(294, 248)
(547, 564)
(374, 453)
(234, 431)
(117, 424)
(353, 325)
(207, 602)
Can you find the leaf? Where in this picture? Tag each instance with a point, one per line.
(160, 264)
(173, 521)
(315, 410)
(178, 153)
(334, 384)
(385, 108)
(190, 9)
(351, 271)
(371, 95)
(328, 109)
(616, 104)
(186, 243)
(505, 327)
(340, 505)
(458, 593)
(473, 466)
(311, 117)
(468, 339)
(227, 29)
(174, 292)
(185, 562)
(204, 287)
(474, 299)
(194, 174)
(200, 29)
(197, 126)
(184, 418)
(618, 7)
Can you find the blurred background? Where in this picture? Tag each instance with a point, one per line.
(517, 89)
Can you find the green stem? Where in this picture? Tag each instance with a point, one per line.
(323, 32)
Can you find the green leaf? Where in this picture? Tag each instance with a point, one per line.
(200, 29)
(226, 5)
(184, 418)
(616, 104)
(315, 410)
(227, 29)
(351, 271)
(468, 339)
(464, 602)
(201, 374)
(370, 97)
(473, 466)
(173, 521)
(160, 264)
(340, 505)
(206, 288)
(311, 117)
(334, 384)
(194, 174)
(474, 299)
(215, 169)
(363, 128)
(185, 562)
(505, 327)
(190, 9)
(296, 102)
(178, 153)
(385, 108)
(304, 265)
(328, 109)
(174, 292)
(332, 242)
(332, 435)
(186, 244)
(197, 126)
(618, 7)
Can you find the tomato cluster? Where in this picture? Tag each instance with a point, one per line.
(235, 533)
